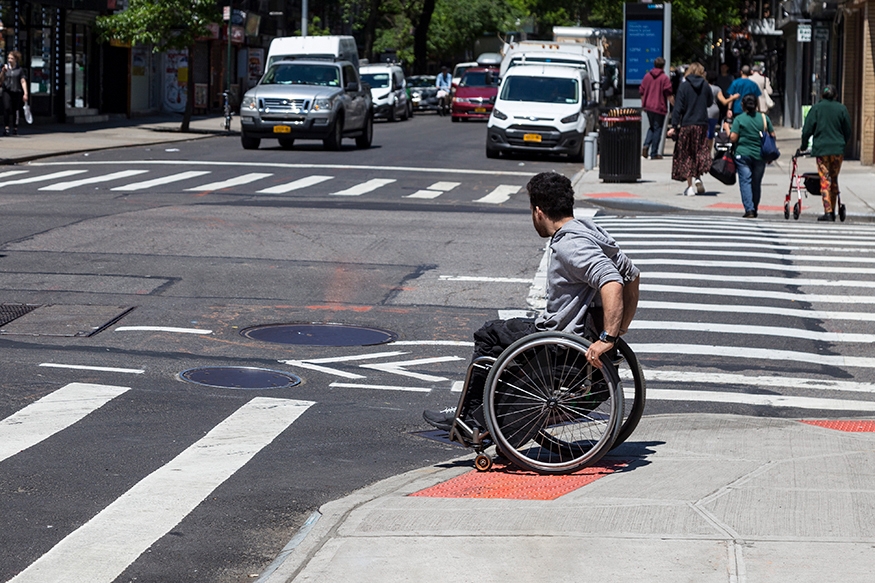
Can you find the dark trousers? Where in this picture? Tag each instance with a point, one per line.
(654, 132)
(12, 104)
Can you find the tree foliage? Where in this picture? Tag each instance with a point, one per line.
(164, 24)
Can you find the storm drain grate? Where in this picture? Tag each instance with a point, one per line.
(9, 312)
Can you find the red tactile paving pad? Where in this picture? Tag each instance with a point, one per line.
(512, 484)
(849, 425)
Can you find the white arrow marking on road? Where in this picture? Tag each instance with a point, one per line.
(380, 387)
(101, 549)
(93, 180)
(398, 367)
(502, 193)
(49, 415)
(314, 363)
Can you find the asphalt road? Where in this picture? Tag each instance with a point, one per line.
(137, 277)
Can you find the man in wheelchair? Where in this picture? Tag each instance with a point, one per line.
(584, 258)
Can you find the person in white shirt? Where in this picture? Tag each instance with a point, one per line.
(765, 85)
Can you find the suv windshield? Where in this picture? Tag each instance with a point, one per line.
(300, 74)
(376, 80)
(539, 89)
(478, 79)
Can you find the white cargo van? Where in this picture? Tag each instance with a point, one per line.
(331, 48)
(581, 55)
(541, 108)
(388, 91)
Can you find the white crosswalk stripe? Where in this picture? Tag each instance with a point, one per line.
(295, 185)
(236, 181)
(435, 190)
(59, 186)
(43, 178)
(365, 187)
(101, 549)
(161, 181)
(500, 194)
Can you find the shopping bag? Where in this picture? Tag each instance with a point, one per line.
(28, 116)
(768, 149)
(723, 169)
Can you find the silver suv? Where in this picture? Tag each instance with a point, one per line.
(308, 99)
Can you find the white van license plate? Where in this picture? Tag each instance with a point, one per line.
(531, 137)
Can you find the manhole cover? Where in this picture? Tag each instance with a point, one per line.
(239, 377)
(319, 334)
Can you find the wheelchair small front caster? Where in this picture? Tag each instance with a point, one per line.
(483, 463)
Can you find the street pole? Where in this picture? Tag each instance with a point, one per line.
(303, 17)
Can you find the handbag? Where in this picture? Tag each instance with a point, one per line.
(768, 149)
(28, 116)
(723, 169)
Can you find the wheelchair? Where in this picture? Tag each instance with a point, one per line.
(548, 410)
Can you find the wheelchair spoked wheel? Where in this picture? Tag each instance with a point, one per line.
(547, 409)
(633, 386)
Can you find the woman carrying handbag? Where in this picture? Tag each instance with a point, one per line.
(747, 135)
(15, 95)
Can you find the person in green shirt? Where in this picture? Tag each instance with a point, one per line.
(829, 123)
(746, 135)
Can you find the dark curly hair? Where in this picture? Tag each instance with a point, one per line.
(553, 194)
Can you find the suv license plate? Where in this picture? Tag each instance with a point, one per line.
(285, 130)
(531, 137)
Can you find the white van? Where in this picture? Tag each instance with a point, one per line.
(580, 55)
(332, 48)
(388, 91)
(541, 108)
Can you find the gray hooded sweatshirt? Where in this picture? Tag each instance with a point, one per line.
(584, 258)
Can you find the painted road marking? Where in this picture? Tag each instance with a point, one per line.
(758, 293)
(725, 265)
(237, 181)
(734, 254)
(738, 245)
(758, 330)
(225, 164)
(12, 173)
(772, 381)
(96, 368)
(435, 190)
(93, 180)
(792, 281)
(755, 354)
(315, 363)
(365, 187)
(295, 185)
(746, 309)
(51, 176)
(337, 385)
(51, 414)
(162, 329)
(159, 181)
(705, 236)
(101, 549)
(398, 367)
(500, 194)
(763, 400)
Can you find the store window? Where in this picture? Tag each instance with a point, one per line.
(76, 61)
(43, 22)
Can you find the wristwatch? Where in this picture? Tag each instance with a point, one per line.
(605, 337)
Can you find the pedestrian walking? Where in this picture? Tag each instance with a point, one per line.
(655, 89)
(765, 87)
(829, 123)
(746, 134)
(714, 116)
(689, 121)
(14, 84)
(724, 80)
(738, 89)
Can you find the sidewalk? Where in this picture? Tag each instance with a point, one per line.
(702, 498)
(657, 192)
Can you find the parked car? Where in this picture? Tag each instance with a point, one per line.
(388, 91)
(308, 99)
(541, 108)
(475, 94)
(423, 92)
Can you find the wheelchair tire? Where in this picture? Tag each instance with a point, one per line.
(634, 397)
(547, 408)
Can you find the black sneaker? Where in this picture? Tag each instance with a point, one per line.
(827, 217)
(442, 419)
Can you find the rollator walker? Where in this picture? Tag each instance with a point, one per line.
(546, 409)
(805, 183)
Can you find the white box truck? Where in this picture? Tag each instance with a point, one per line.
(331, 48)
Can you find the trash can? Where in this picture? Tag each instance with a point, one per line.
(620, 145)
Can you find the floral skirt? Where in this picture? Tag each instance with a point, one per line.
(691, 157)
